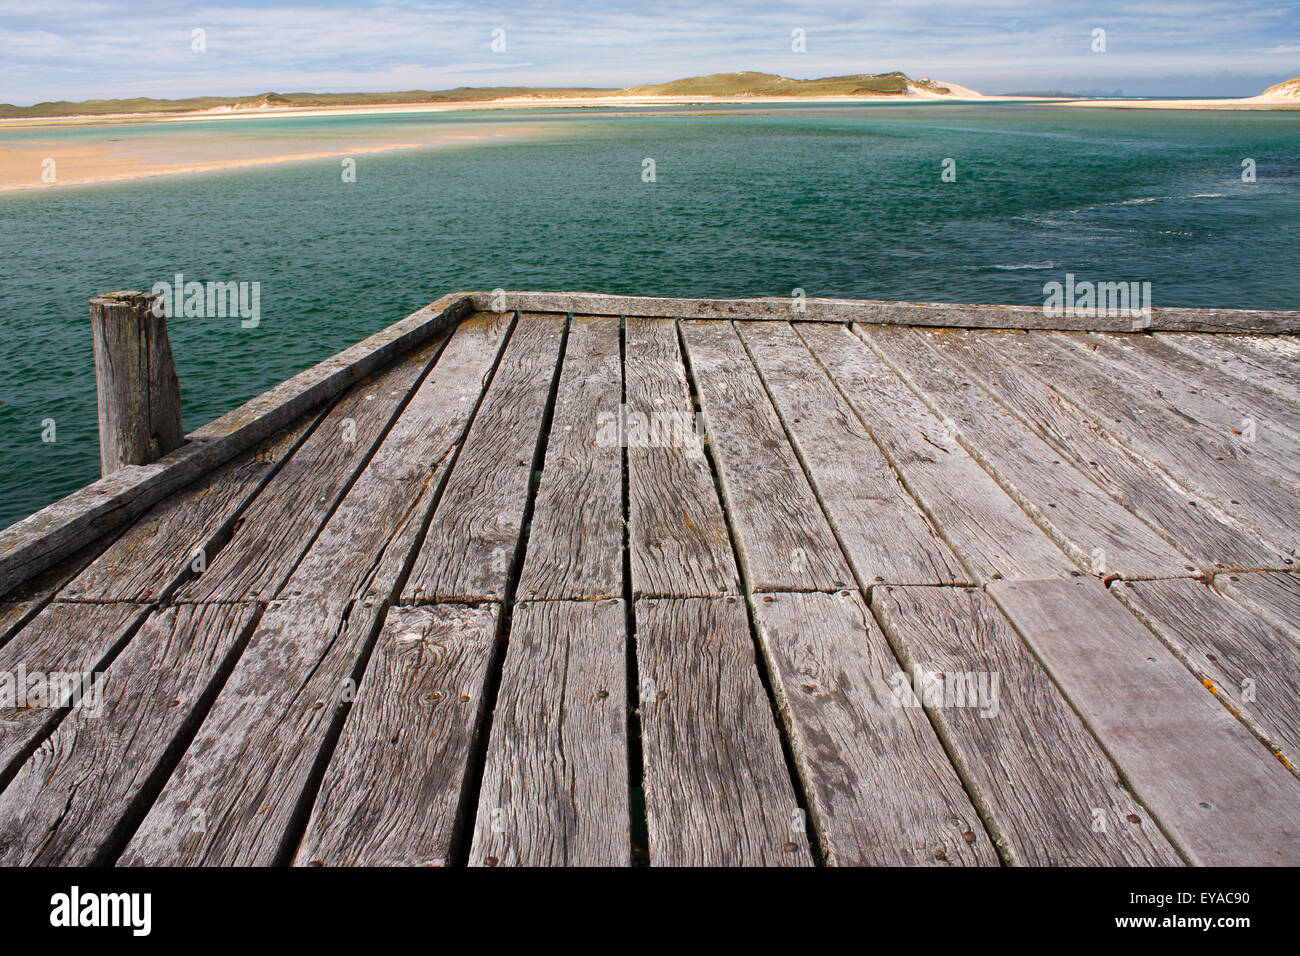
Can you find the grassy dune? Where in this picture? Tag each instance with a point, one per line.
(717, 84)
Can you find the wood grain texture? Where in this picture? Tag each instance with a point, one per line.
(1237, 356)
(365, 541)
(1134, 366)
(555, 783)
(157, 551)
(74, 798)
(785, 543)
(1217, 792)
(232, 797)
(677, 533)
(717, 789)
(881, 789)
(139, 397)
(26, 600)
(255, 753)
(991, 534)
(1048, 791)
(279, 525)
(942, 314)
(467, 552)
(1213, 538)
(393, 786)
(1274, 596)
(1163, 363)
(63, 638)
(13, 616)
(575, 542)
(1208, 468)
(1249, 666)
(1096, 531)
(883, 532)
(41, 540)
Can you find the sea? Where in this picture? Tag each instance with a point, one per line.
(926, 202)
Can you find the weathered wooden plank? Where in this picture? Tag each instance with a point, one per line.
(1239, 357)
(255, 754)
(467, 552)
(991, 534)
(25, 600)
(178, 534)
(1248, 665)
(1210, 469)
(1047, 790)
(575, 542)
(942, 314)
(392, 790)
(1097, 532)
(65, 639)
(41, 540)
(1274, 596)
(784, 541)
(233, 796)
(1217, 792)
(402, 480)
(1212, 537)
(1162, 364)
(555, 783)
(717, 790)
(13, 616)
(279, 525)
(881, 789)
(677, 535)
(78, 795)
(882, 530)
(1265, 444)
(139, 397)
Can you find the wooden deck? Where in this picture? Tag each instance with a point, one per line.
(590, 581)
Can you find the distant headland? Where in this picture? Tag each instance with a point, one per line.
(714, 87)
(744, 87)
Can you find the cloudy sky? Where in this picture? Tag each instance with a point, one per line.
(82, 49)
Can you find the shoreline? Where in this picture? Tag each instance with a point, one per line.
(505, 103)
(596, 102)
(88, 164)
(93, 164)
(1243, 103)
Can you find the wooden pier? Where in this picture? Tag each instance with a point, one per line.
(571, 579)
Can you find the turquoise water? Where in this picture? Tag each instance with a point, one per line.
(838, 201)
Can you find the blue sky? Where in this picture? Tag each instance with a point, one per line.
(80, 49)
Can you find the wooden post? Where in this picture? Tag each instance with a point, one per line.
(139, 395)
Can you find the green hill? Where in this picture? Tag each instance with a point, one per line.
(769, 84)
(716, 84)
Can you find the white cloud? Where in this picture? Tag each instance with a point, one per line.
(85, 49)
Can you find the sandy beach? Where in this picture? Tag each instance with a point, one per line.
(1281, 102)
(113, 158)
(23, 162)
